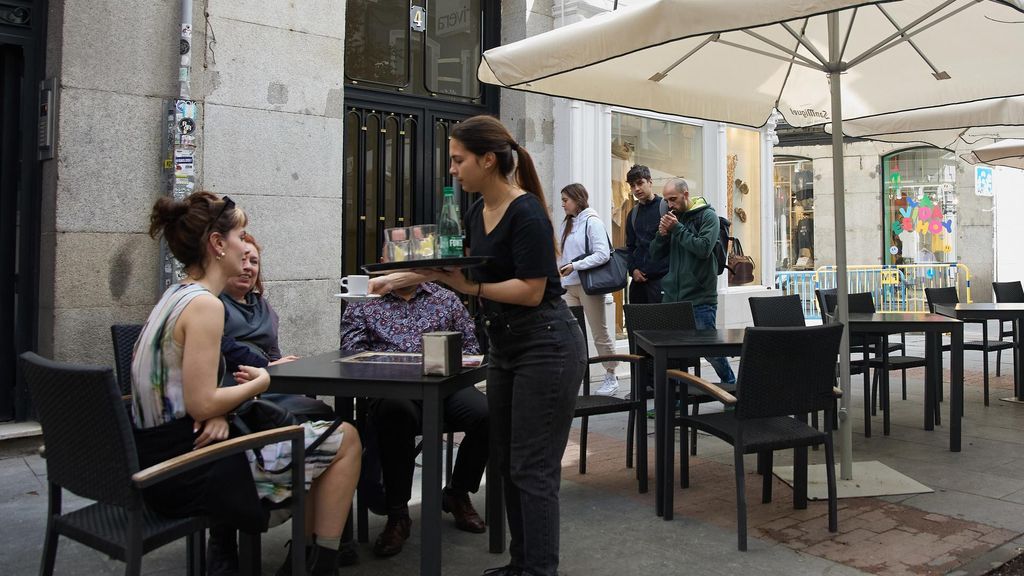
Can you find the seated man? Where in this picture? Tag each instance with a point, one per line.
(396, 323)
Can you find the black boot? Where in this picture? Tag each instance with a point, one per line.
(222, 551)
(286, 568)
(324, 561)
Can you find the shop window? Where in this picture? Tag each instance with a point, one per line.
(794, 214)
(920, 205)
(377, 37)
(669, 149)
(743, 192)
(453, 47)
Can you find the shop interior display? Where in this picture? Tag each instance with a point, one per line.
(794, 200)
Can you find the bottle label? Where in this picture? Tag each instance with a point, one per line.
(451, 247)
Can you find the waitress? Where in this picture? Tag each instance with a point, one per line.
(537, 355)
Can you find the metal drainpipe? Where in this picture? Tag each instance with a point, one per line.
(179, 146)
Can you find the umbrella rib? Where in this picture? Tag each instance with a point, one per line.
(771, 55)
(664, 73)
(849, 29)
(781, 48)
(935, 71)
(902, 35)
(789, 69)
(803, 42)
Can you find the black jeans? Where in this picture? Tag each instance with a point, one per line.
(397, 423)
(645, 292)
(536, 365)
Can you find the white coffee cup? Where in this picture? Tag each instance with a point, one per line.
(356, 285)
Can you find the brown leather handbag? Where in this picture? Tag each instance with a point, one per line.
(741, 266)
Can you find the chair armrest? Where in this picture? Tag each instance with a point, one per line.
(837, 392)
(42, 451)
(711, 389)
(615, 358)
(186, 462)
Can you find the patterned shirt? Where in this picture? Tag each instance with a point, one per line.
(393, 324)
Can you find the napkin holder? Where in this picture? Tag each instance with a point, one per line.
(442, 353)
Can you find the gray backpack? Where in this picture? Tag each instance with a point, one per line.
(663, 208)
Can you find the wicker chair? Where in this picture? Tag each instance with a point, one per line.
(90, 451)
(588, 405)
(862, 302)
(783, 371)
(1006, 292)
(777, 311)
(948, 295)
(124, 337)
(668, 316)
(781, 312)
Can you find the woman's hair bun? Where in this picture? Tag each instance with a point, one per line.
(166, 211)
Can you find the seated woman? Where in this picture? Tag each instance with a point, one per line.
(178, 406)
(250, 339)
(250, 323)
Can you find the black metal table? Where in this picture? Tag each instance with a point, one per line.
(324, 375)
(661, 346)
(1013, 312)
(933, 326)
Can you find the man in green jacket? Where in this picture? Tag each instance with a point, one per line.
(687, 234)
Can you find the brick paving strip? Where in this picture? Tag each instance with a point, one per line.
(874, 536)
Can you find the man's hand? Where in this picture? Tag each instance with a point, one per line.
(213, 430)
(395, 280)
(667, 222)
(639, 276)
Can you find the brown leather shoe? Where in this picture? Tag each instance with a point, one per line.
(391, 540)
(461, 507)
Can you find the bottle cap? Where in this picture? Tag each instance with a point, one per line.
(449, 191)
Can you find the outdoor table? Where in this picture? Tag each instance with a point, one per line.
(1014, 312)
(661, 346)
(933, 325)
(324, 375)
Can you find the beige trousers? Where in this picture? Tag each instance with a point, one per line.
(594, 311)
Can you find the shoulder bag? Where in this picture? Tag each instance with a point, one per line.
(741, 266)
(258, 414)
(608, 277)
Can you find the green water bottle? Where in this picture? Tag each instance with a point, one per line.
(449, 226)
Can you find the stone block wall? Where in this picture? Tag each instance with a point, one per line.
(269, 80)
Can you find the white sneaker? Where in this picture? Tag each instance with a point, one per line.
(610, 385)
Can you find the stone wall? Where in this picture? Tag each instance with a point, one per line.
(269, 80)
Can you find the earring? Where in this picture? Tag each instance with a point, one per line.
(221, 255)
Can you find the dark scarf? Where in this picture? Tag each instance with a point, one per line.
(251, 323)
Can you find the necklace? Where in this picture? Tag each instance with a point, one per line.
(509, 196)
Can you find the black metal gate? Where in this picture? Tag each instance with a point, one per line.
(396, 166)
(21, 33)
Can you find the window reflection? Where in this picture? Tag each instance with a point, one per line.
(377, 41)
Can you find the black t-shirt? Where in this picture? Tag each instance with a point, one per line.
(521, 245)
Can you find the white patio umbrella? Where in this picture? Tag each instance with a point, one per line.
(816, 61)
(957, 127)
(1003, 153)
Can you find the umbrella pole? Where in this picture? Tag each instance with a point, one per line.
(842, 288)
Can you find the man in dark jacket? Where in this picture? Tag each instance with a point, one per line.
(687, 235)
(641, 228)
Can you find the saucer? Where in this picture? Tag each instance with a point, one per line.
(356, 297)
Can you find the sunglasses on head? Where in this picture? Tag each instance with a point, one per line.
(228, 203)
